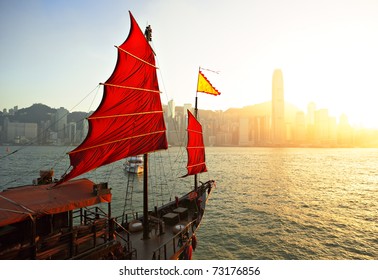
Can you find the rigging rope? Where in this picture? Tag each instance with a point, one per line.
(32, 142)
(175, 165)
(217, 72)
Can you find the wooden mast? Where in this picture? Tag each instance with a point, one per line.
(146, 233)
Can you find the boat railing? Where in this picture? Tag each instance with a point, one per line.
(84, 216)
(68, 243)
(59, 243)
(180, 241)
(122, 233)
(176, 244)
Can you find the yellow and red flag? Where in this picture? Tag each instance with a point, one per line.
(205, 86)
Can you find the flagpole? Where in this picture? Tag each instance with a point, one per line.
(196, 116)
(206, 87)
(196, 101)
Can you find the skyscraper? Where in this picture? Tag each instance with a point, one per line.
(60, 122)
(187, 106)
(278, 109)
(171, 109)
(311, 108)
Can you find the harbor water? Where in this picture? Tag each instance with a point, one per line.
(269, 203)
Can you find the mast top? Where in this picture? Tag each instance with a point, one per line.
(148, 33)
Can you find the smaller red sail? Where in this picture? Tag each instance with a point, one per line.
(195, 147)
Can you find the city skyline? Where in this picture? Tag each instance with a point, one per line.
(10, 111)
(248, 126)
(55, 52)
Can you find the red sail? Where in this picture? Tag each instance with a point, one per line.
(195, 147)
(129, 121)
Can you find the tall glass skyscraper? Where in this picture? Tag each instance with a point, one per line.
(278, 109)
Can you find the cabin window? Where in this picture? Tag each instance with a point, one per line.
(44, 225)
(59, 221)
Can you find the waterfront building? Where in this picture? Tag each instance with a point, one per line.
(171, 109)
(311, 108)
(19, 133)
(244, 132)
(60, 122)
(187, 106)
(300, 128)
(72, 133)
(321, 126)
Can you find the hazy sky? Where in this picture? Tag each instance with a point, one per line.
(56, 52)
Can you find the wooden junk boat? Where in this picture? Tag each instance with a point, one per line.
(72, 218)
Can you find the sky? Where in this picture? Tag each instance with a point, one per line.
(57, 52)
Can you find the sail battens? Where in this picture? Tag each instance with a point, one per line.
(195, 165)
(136, 57)
(132, 88)
(195, 131)
(115, 141)
(125, 115)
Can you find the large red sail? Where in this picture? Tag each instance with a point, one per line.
(195, 147)
(129, 121)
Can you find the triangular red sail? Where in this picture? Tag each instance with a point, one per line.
(195, 147)
(129, 121)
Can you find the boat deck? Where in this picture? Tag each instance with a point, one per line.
(167, 236)
(171, 228)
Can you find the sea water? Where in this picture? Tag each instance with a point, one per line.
(269, 203)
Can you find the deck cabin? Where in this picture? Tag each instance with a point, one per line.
(52, 221)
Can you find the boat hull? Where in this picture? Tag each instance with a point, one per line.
(134, 164)
(135, 169)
